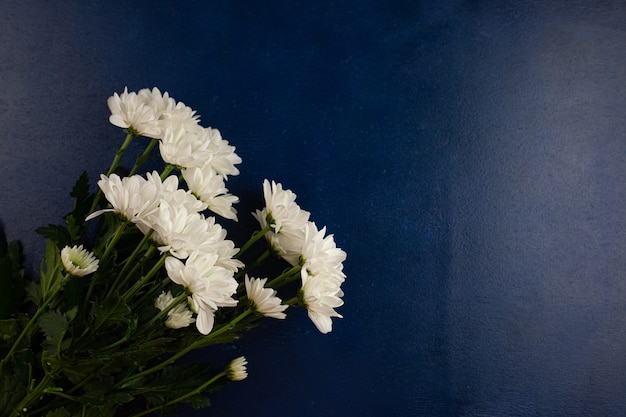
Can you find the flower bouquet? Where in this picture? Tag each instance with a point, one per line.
(142, 273)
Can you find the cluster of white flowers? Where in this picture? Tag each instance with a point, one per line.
(204, 157)
(203, 260)
(298, 241)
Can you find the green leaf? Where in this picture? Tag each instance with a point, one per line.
(59, 412)
(11, 277)
(9, 328)
(100, 393)
(51, 276)
(58, 234)
(75, 220)
(113, 311)
(54, 324)
(33, 292)
(199, 401)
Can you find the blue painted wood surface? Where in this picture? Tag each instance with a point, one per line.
(469, 156)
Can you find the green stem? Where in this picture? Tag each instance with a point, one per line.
(24, 332)
(34, 395)
(105, 255)
(130, 293)
(285, 278)
(111, 244)
(163, 313)
(116, 161)
(120, 153)
(183, 397)
(168, 169)
(204, 341)
(253, 239)
(129, 261)
(249, 267)
(143, 157)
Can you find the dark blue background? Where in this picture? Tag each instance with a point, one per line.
(470, 156)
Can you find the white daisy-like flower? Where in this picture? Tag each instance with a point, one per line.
(321, 294)
(130, 111)
(287, 221)
(236, 370)
(179, 316)
(263, 300)
(320, 254)
(181, 231)
(134, 197)
(78, 261)
(187, 148)
(169, 112)
(281, 209)
(209, 187)
(211, 286)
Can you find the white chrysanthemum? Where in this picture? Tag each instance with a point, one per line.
(78, 261)
(187, 148)
(181, 231)
(134, 197)
(209, 187)
(130, 111)
(281, 209)
(321, 294)
(170, 113)
(287, 221)
(211, 286)
(236, 370)
(263, 300)
(179, 316)
(320, 254)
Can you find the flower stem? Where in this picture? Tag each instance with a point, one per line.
(183, 397)
(255, 236)
(167, 170)
(204, 341)
(133, 290)
(119, 281)
(143, 157)
(24, 332)
(120, 153)
(285, 278)
(116, 162)
(33, 395)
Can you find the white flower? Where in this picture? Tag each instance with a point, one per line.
(264, 300)
(170, 113)
(281, 209)
(181, 231)
(321, 294)
(78, 261)
(320, 254)
(208, 186)
(287, 221)
(236, 370)
(210, 285)
(198, 147)
(322, 276)
(134, 197)
(179, 316)
(130, 111)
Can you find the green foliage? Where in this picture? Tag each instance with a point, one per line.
(51, 272)
(11, 277)
(96, 345)
(54, 325)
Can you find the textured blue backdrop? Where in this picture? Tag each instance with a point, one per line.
(469, 156)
